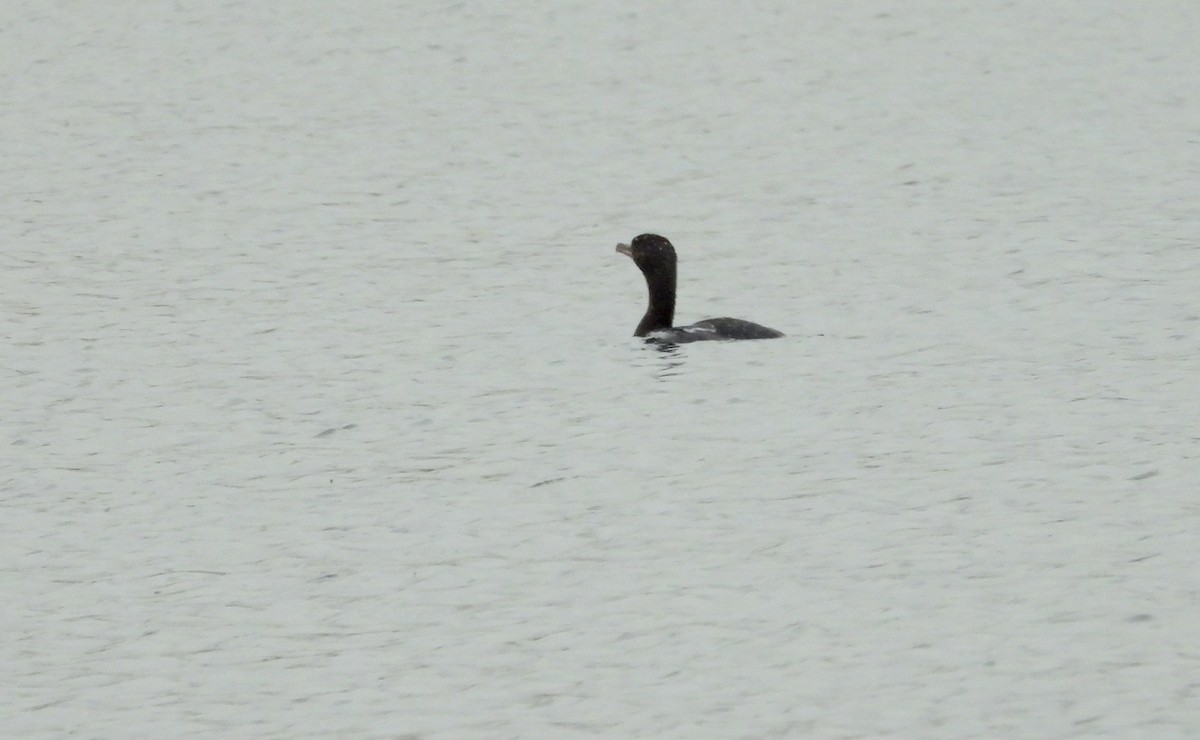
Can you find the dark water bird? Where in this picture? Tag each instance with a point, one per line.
(655, 257)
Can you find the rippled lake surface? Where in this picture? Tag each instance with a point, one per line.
(322, 416)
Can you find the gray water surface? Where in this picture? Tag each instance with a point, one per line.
(322, 416)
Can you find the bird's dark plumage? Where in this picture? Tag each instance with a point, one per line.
(655, 257)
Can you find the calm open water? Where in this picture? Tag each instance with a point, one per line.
(321, 414)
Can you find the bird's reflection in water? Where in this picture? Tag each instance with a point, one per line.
(667, 359)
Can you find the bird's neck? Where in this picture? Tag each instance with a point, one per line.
(660, 313)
